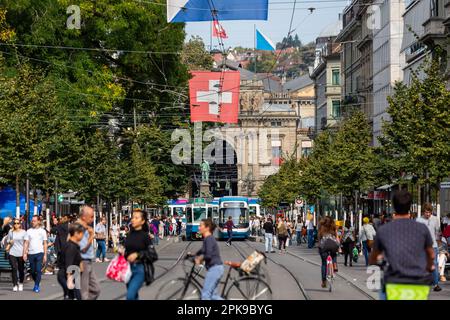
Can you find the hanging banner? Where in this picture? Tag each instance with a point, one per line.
(214, 96)
(218, 31)
(207, 10)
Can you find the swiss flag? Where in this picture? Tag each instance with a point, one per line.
(214, 96)
(218, 31)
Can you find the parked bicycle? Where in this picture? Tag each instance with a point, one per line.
(238, 285)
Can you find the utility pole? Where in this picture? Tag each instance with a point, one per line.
(27, 198)
(56, 197)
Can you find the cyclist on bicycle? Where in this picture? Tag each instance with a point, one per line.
(328, 245)
(210, 254)
(408, 248)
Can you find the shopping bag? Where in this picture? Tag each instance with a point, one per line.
(252, 261)
(119, 269)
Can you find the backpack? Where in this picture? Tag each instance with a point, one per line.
(329, 243)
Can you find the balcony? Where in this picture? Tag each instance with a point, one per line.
(333, 90)
(434, 31)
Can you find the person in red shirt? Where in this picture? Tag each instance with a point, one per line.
(229, 225)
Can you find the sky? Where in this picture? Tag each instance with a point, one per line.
(308, 26)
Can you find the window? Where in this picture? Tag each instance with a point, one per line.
(276, 155)
(335, 78)
(275, 123)
(336, 109)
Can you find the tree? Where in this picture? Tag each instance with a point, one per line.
(417, 138)
(195, 56)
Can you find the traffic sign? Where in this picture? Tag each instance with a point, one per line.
(299, 202)
(60, 197)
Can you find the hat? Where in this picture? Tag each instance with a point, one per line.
(365, 220)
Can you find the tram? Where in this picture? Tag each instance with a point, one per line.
(237, 209)
(197, 209)
(177, 207)
(254, 208)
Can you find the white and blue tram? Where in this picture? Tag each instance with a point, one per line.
(236, 208)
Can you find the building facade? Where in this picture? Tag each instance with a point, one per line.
(326, 74)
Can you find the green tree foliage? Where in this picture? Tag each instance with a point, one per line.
(195, 56)
(416, 140)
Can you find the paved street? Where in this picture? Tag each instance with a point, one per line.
(291, 276)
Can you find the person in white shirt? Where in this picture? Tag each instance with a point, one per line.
(35, 250)
(115, 234)
(16, 239)
(434, 227)
(366, 236)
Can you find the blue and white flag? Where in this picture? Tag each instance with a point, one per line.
(263, 42)
(202, 10)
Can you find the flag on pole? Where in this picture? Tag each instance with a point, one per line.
(214, 96)
(218, 31)
(200, 10)
(263, 42)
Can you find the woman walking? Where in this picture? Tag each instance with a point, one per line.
(15, 241)
(136, 244)
(282, 231)
(348, 242)
(366, 236)
(328, 245)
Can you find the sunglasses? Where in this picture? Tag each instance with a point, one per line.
(16, 222)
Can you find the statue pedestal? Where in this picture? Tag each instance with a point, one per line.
(204, 190)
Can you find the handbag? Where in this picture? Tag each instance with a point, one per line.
(119, 269)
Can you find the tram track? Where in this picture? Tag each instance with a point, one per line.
(297, 281)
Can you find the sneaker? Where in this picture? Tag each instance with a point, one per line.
(20, 286)
(37, 289)
(106, 260)
(267, 251)
(15, 288)
(437, 288)
(98, 260)
(324, 284)
(228, 244)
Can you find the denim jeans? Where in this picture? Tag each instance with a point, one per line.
(324, 256)
(268, 237)
(436, 267)
(230, 236)
(101, 249)
(310, 238)
(366, 251)
(156, 239)
(212, 280)
(36, 267)
(298, 235)
(136, 281)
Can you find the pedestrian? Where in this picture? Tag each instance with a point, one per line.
(442, 259)
(268, 228)
(69, 261)
(257, 226)
(408, 248)
(376, 221)
(282, 232)
(348, 242)
(298, 230)
(115, 234)
(35, 250)
(229, 225)
(90, 289)
(210, 254)
(328, 245)
(6, 227)
(155, 229)
(136, 243)
(179, 225)
(14, 248)
(100, 237)
(62, 232)
(310, 232)
(366, 237)
(433, 226)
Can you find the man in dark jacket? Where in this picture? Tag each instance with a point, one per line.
(62, 233)
(268, 234)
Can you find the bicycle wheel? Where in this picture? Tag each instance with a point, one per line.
(330, 277)
(249, 288)
(176, 290)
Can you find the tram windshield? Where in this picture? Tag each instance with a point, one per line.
(177, 211)
(252, 210)
(238, 215)
(199, 214)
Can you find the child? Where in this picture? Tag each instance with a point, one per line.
(71, 257)
(211, 255)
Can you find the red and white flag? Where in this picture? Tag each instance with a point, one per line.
(218, 31)
(214, 96)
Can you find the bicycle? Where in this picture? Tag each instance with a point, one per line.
(243, 287)
(330, 272)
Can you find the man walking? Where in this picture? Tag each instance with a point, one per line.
(310, 232)
(62, 233)
(432, 224)
(229, 225)
(90, 289)
(35, 249)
